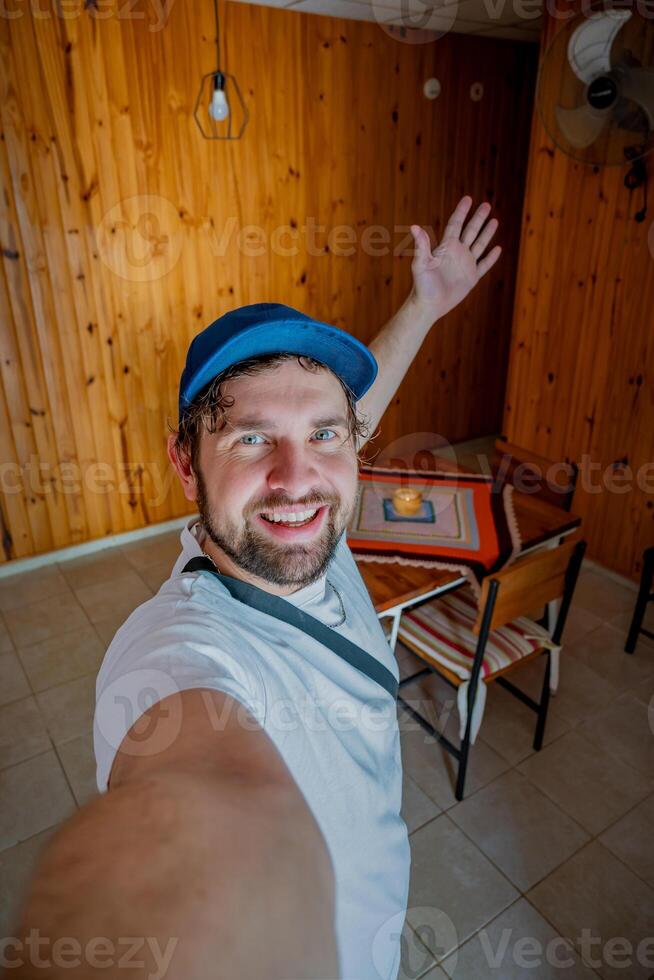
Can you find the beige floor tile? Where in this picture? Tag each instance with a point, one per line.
(455, 883)
(23, 732)
(509, 726)
(6, 646)
(528, 677)
(17, 867)
(434, 700)
(600, 595)
(13, 682)
(35, 796)
(416, 958)
(154, 576)
(50, 617)
(68, 708)
(595, 900)
(582, 692)
(588, 783)
(580, 623)
(118, 597)
(417, 807)
(62, 658)
(433, 768)
(519, 943)
(40, 583)
(624, 729)
(603, 651)
(152, 551)
(632, 840)
(101, 566)
(622, 622)
(78, 759)
(107, 628)
(518, 828)
(430, 687)
(407, 661)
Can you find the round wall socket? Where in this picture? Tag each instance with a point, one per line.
(432, 88)
(476, 91)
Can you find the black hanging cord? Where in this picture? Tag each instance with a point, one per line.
(642, 214)
(215, 10)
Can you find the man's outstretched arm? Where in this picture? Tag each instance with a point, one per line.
(203, 853)
(441, 279)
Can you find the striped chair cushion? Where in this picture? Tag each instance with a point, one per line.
(442, 629)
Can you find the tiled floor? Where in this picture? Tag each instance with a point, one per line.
(545, 845)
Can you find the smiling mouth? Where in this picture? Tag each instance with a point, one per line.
(291, 520)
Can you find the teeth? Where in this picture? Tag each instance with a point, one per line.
(304, 515)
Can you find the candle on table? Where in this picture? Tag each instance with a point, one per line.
(407, 501)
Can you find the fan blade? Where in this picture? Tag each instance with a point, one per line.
(637, 84)
(589, 47)
(580, 126)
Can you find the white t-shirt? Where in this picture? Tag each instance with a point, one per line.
(335, 728)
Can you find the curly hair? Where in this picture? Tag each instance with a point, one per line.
(208, 410)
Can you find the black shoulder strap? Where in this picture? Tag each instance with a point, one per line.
(275, 606)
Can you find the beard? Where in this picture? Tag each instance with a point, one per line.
(279, 564)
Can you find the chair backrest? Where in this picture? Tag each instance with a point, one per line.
(534, 474)
(530, 583)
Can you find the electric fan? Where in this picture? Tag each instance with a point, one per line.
(596, 87)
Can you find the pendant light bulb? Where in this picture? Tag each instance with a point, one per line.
(219, 107)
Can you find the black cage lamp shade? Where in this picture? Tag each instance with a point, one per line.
(220, 110)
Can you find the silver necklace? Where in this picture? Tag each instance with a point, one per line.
(343, 616)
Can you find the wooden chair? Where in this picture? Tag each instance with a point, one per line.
(546, 479)
(550, 481)
(645, 595)
(472, 644)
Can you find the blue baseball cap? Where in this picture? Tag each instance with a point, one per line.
(272, 328)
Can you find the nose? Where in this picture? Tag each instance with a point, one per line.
(293, 470)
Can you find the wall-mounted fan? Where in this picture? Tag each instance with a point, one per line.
(596, 87)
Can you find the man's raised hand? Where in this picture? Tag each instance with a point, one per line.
(444, 276)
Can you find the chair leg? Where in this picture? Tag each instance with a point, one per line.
(542, 708)
(555, 661)
(641, 601)
(463, 764)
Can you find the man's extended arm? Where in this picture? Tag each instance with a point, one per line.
(441, 279)
(394, 347)
(203, 860)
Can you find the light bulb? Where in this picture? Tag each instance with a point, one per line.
(219, 107)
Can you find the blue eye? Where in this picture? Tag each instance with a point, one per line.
(325, 435)
(248, 440)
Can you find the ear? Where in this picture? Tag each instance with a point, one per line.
(183, 468)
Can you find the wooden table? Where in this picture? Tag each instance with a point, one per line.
(394, 587)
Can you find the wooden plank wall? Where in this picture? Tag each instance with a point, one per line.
(581, 374)
(124, 232)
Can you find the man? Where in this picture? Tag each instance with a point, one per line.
(255, 776)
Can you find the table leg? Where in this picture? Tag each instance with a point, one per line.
(395, 615)
(552, 616)
(394, 629)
